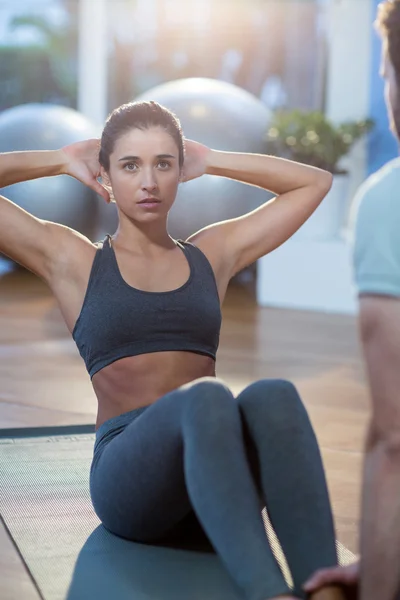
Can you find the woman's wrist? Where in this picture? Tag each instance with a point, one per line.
(55, 161)
(215, 162)
(62, 162)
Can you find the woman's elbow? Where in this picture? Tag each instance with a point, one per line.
(325, 181)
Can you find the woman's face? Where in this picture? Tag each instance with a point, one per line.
(144, 173)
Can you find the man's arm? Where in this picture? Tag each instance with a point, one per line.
(380, 526)
(375, 223)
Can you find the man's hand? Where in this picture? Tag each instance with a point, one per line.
(348, 576)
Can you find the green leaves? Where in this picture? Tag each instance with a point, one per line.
(309, 137)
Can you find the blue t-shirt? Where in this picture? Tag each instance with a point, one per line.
(376, 233)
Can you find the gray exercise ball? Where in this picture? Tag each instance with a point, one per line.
(224, 117)
(61, 199)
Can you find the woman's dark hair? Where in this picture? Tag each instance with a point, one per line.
(138, 115)
(388, 25)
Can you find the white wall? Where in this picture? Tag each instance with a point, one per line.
(93, 60)
(317, 275)
(348, 75)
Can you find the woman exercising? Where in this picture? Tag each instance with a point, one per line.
(144, 311)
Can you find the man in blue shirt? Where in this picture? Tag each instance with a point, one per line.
(377, 277)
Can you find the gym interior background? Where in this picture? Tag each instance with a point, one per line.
(63, 66)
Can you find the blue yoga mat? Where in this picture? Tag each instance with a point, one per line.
(46, 508)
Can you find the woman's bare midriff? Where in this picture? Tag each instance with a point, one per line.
(136, 381)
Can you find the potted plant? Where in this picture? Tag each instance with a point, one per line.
(309, 137)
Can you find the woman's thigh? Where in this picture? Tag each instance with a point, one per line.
(137, 483)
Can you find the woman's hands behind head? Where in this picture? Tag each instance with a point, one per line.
(82, 162)
(195, 163)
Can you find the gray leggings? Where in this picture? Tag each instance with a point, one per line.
(198, 450)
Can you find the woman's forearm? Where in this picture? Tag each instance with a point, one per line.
(23, 166)
(277, 175)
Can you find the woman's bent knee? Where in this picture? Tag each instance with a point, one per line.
(276, 398)
(273, 387)
(210, 394)
(211, 401)
(208, 387)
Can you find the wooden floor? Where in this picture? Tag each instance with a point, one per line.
(43, 382)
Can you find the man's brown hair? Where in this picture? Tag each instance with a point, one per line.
(388, 25)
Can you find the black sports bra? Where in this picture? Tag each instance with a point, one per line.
(118, 320)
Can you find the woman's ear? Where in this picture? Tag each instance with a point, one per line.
(105, 179)
(106, 183)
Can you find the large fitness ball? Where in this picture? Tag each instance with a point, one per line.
(224, 117)
(61, 199)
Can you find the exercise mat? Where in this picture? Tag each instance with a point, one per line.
(45, 506)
